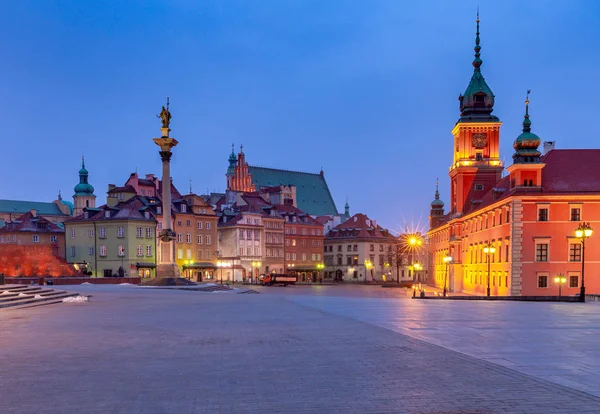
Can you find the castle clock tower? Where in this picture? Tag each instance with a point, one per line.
(476, 167)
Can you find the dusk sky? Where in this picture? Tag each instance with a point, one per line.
(367, 90)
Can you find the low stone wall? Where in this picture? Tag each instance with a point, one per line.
(71, 280)
(509, 298)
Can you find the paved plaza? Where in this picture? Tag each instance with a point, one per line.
(319, 349)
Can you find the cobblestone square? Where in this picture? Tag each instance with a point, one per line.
(298, 349)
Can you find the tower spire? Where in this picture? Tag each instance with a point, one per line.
(437, 191)
(477, 61)
(526, 120)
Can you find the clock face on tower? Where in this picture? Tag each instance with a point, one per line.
(479, 139)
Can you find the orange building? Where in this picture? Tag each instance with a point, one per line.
(513, 235)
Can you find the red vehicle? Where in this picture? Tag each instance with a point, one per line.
(278, 279)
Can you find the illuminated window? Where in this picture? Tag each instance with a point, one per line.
(148, 250)
(140, 250)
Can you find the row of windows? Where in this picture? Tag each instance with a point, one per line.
(34, 238)
(272, 252)
(315, 257)
(542, 249)
(480, 278)
(200, 254)
(199, 238)
(304, 231)
(247, 234)
(120, 250)
(543, 281)
(274, 238)
(120, 232)
(544, 214)
(188, 223)
(303, 243)
(486, 221)
(249, 251)
(270, 225)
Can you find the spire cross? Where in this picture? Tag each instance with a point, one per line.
(241, 148)
(232, 147)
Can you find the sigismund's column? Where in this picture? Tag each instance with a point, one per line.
(167, 268)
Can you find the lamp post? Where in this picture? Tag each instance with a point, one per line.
(447, 260)
(489, 250)
(220, 267)
(256, 265)
(320, 267)
(368, 266)
(560, 279)
(583, 232)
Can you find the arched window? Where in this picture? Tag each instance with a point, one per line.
(87, 203)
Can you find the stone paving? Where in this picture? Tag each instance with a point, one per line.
(135, 350)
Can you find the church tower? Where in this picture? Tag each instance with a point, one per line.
(437, 209)
(526, 170)
(231, 169)
(241, 179)
(476, 167)
(84, 192)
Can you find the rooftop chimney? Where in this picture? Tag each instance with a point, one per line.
(111, 187)
(549, 146)
(149, 176)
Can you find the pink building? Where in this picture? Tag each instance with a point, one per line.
(513, 234)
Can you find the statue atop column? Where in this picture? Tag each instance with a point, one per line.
(165, 116)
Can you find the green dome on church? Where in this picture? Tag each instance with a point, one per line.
(526, 145)
(83, 188)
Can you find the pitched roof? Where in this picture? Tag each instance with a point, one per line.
(127, 210)
(312, 193)
(359, 226)
(567, 171)
(17, 206)
(125, 189)
(28, 223)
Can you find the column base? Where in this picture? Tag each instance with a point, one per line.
(167, 270)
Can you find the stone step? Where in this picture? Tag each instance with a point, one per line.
(48, 298)
(24, 289)
(16, 296)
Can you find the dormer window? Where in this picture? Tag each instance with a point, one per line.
(147, 214)
(479, 100)
(107, 214)
(183, 208)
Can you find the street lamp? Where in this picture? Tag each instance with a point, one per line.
(560, 279)
(368, 266)
(257, 266)
(447, 260)
(489, 250)
(414, 241)
(583, 232)
(320, 267)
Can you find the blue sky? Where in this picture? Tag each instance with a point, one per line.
(367, 90)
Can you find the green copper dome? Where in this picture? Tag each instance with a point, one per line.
(437, 203)
(526, 145)
(232, 162)
(477, 103)
(83, 188)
